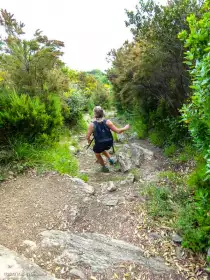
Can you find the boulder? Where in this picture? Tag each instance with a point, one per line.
(83, 186)
(148, 155)
(137, 155)
(124, 161)
(13, 266)
(111, 187)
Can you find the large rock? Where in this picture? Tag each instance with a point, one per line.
(148, 155)
(109, 186)
(13, 266)
(96, 250)
(137, 155)
(132, 156)
(83, 186)
(124, 161)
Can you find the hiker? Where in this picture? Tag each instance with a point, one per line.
(101, 130)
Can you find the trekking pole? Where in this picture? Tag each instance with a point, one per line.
(88, 146)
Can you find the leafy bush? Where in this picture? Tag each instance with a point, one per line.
(101, 97)
(139, 126)
(171, 128)
(74, 104)
(157, 137)
(195, 226)
(196, 113)
(158, 204)
(29, 116)
(186, 153)
(137, 121)
(51, 157)
(170, 150)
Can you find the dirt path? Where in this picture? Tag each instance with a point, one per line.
(100, 229)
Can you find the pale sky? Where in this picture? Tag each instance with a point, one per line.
(89, 28)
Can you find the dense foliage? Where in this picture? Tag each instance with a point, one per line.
(39, 96)
(196, 113)
(148, 75)
(164, 91)
(38, 92)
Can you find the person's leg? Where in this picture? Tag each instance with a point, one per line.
(107, 155)
(102, 163)
(100, 159)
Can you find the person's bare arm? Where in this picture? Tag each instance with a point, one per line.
(116, 129)
(89, 132)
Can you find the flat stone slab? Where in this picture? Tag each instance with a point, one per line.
(13, 266)
(96, 250)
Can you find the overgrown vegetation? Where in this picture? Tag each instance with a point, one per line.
(39, 97)
(161, 84)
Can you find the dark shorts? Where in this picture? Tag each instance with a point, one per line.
(101, 147)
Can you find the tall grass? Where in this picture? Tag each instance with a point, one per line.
(53, 157)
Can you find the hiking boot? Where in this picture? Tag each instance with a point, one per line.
(105, 169)
(111, 161)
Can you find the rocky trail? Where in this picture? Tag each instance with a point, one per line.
(58, 227)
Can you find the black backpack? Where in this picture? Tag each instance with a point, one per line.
(102, 133)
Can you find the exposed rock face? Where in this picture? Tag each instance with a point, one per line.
(124, 161)
(137, 155)
(13, 266)
(30, 245)
(96, 250)
(132, 156)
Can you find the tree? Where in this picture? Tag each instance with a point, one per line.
(150, 71)
(30, 64)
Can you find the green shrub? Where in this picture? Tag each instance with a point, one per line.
(172, 128)
(195, 225)
(140, 127)
(80, 126)
(158, 201)
(83, 176)
(101, 97)
(29, 116)
(170, 150)
(74, 104)
(157, 138)
(196, 113)
(53, 157)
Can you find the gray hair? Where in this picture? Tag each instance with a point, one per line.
(98, 112)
